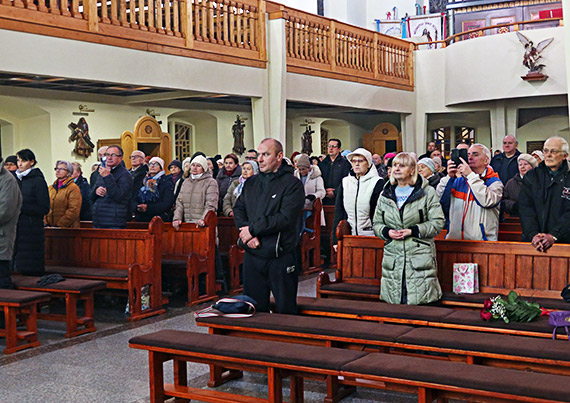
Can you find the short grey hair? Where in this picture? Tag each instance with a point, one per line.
(562, 140)
(485, 149)
(68, 166)
(513, 136)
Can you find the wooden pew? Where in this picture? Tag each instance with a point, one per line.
(503, 266)
(507, 351)
(311, 242)
(231, 254)
(326, 234)
(279, 360)
(23, 305)
(126, 259)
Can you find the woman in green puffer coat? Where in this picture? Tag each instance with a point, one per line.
(408, 217)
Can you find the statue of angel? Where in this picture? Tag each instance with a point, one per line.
(532, 54)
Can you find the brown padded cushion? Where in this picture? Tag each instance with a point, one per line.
(372, 290)
(549, 303)
(314, 325)
(473, 318)
(22, 297)
(374, 308)
(88, 272)
(262, 350)
(488, 342)
(521, 383)
(67, 284)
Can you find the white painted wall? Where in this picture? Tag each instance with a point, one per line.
(541, 129)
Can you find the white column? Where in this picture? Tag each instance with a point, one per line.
(413, 132)
(277, 79)
(566, 11)
(498, 125)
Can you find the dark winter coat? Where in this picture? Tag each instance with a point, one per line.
(85, 214)
(30, 237)
(511, 194)
(224, 181)
(544, 203)
(434, 179)
(161, 207)
(112, 210)
(271, 205)
(10, 205)
(507, 168)
(332, 173)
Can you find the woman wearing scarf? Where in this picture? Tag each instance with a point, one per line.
(30, 237)
(248, 169)
(229, 173)
(65, 198)
(156, 196)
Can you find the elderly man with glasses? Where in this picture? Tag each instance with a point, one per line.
(544, 202)
(138, 171)
(111, 194)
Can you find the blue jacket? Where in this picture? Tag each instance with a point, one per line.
(112, 210)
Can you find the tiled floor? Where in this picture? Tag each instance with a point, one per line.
(102, 368)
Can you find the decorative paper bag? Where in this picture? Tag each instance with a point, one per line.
(465, 278)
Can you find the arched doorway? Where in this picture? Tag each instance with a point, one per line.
(385, 138)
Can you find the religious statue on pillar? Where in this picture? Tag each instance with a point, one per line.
(307, 138)
(237, 131)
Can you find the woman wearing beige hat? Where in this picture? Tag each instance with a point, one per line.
(156, 195)
(510, 202)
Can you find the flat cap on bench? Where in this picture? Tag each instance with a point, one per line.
(250, 349)
(68, 284)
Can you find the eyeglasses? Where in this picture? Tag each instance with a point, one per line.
(134, 156)
(154, 164)
(113, 155)
(553, 152)
(333, 146)
(358, 161)
(59, 169)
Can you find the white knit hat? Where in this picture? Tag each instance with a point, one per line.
(428, 162)
(159, 160)
(202, 161)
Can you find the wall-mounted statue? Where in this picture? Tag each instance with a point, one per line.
(307, 141)
(532, 55)
(237, 131)
(80, 134)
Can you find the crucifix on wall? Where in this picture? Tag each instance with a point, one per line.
(307, 137)
(237, 132)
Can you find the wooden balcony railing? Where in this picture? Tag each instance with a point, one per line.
(223, 30)
(328, 48)
(490, 30)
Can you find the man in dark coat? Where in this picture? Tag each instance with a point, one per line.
(138, 171)
(268, 215)
(111, 194)
(544, 202)
(85, 214)
(432, 146)
(506, 163)
(95, 174)
(10, 204)
(333, 168)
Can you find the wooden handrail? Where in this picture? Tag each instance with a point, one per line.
(449, 40)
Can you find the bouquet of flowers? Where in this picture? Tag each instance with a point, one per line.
(512, 309)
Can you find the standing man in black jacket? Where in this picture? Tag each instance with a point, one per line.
(268, 215)
(333, 168)
(111, 194)
(544, 202)
(506, 163)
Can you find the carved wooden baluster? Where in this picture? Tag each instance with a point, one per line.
(217, 22)
(297, 40)
(196, 20)
(132, 13)
(167, 17)
(41, 5)
(252, 22)
(105, 12)
(232, 25)
(122, 12)
(159, 17)
(176, 16)
(210, 21)
(346, 49)
(114, 14)
(318, 41)
(150, 15)
(288, 42)
(226, 23)
(204, 22)
(28, 4)
(142, 18)
(240, 26)
(74, 8)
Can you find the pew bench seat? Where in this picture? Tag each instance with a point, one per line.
(17, 304)
(427, 378)
(420, 315)
(277, 359)
(73, 291)
(476, 300)
(97, 273)
(540, 355)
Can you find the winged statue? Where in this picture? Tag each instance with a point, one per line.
(532, 54)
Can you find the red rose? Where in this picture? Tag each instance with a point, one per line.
(486, 315)
(487, 304)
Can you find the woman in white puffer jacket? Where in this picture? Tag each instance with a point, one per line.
(358, 194)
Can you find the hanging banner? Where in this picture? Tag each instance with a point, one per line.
(428, 27)
(390, 27)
